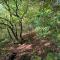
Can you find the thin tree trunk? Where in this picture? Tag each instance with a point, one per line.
(21, 27)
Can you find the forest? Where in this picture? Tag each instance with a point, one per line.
(29, 29)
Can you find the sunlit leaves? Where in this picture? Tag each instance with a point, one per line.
(43, 31)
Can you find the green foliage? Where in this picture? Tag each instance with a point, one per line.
(50, 57)
(36, 58)
(43, 31)
(40, 15)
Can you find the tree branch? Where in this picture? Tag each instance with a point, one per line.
(16, 30)
(6, 3)
(20, 23)
(10, 34)
(11, 26)
(10, 29)
(17, 8)
(7, 21)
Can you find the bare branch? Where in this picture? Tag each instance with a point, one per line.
(16, 30)
(16, 8)
(10, 34)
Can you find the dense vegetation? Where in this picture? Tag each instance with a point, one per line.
(17, 17)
